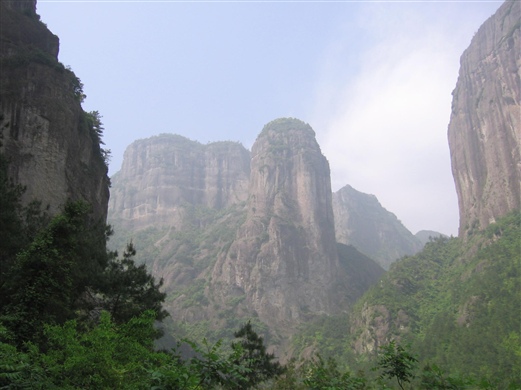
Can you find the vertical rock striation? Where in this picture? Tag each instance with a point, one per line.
(236, 234)
(162, 174)
(485, 126)
(44, 131)
(284, 258)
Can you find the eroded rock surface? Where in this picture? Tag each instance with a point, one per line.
(284, 259)
(160, 175)
(44, 132)
(485, 126)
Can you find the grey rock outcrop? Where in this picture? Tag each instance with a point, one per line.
(485, 126)
(43, 129)
(361, 221)
(236, 234)
(160, 175)
(284, 258)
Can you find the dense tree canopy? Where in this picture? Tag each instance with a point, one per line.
(74, 315)
(58, 269)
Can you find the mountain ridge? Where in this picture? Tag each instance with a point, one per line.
(358, 215)
(282, 232)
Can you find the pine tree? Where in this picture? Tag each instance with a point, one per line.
(258, 363)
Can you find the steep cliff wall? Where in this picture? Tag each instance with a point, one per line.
(44, 132)
(284, 258)
(160, 175)
(448, 294)
(236, 234)
(485, 126)
(361, 221)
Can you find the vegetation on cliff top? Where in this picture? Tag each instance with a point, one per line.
(282, 125)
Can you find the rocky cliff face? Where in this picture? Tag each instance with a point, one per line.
(236, 234)
(284, 258)
(485, 126)
(361, 221)
(484, 139)
(162, 174)
(44, 132)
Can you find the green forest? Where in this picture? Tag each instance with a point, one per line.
(455, 306)
(74, 315)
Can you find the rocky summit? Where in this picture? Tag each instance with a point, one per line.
(284, 258)
(44, 133)
(485, 126)
(361, 221)
(239, 234)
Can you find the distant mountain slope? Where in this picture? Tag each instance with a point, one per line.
(236, 234)
(458, 302)
(427, 235)
(162, 174)
(364, 270)
(361, 221)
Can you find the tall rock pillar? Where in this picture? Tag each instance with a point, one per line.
(284, 259)
(485, 126)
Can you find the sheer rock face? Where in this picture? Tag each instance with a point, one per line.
(246, 234)
(284, 258)
(162, 174)
(42, 125)
(361, 221)
(485, 127)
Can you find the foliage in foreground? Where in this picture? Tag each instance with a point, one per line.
(457, 304)
(396, 362)
(58, 269)
(121, 356)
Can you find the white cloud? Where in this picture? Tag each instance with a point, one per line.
(384, 128)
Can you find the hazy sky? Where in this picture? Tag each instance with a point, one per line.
(373, 79)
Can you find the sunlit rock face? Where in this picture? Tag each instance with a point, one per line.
(284, 258)
(42, 125)
(361, 221)
(485, 127)
(161, 175)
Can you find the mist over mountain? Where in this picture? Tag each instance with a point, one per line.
(361, 221)
(266, 249)
(256, 235)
